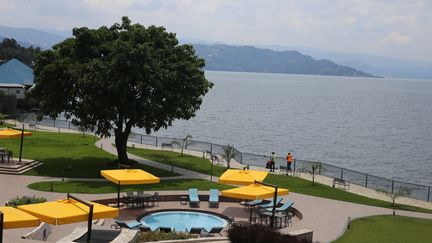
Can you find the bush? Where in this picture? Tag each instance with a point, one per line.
(157, 236)
(25, 200)
(257, 234)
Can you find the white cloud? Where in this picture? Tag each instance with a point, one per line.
(396, 38)
(341, 25)
(6, 6)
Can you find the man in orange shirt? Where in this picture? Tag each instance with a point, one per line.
(289, 159)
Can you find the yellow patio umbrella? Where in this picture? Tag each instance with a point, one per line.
(129, 177)
(12, 133)
(11, 218)
(70, 210)
(242, 177)
(254, 191)
(258, 190)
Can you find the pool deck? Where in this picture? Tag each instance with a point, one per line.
(327, 218)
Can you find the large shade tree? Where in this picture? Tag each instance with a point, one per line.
(113, 79)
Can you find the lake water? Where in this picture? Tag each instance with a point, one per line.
(378, 126)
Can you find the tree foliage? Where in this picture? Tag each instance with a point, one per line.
(10, 49)
(228, 153)
(116, 78)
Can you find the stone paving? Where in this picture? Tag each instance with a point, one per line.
(326, 217)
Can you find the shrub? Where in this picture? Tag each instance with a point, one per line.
(14, 202)
(157, 236)
(257, 234)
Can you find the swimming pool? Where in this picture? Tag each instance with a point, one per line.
(181, 220)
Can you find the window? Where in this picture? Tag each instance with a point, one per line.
(18, 91)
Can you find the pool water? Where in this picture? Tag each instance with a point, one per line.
(183, 220)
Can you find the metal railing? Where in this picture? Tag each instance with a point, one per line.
(417, 191)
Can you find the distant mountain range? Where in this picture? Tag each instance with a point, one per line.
(252, 59)
(278, 59)
(375, 64)
(31, 37)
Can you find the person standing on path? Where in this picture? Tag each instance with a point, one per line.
(289, 160)
(273, 160)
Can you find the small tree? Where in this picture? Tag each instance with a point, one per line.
(183, 144)
(401, 192)
(228, 153)
(315, 167)
(3, 117)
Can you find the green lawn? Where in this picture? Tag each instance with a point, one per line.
(96, 187)
(173, 158)
(68, 155)
(294, 184)
(305, 187)
(391, 229)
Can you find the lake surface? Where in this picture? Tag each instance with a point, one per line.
(378, 126)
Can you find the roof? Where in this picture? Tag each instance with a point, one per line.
(15, 71)
(10, 85)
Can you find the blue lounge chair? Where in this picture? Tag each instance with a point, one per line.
(196, 230)
(215, 230)
(254, 203)
(270, 204)
(214, 198)
(164, 229)
(193, 197)
(282, 208)
(126, 224)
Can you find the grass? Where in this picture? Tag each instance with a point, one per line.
(68, 155)
(391, 229)
(173, 158)
(98, 187)
(294, 184)
(303, 186)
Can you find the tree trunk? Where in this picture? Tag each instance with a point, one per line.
(121, 143)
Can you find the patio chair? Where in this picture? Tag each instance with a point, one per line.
(214, 198)
(196, 230)
(125, 224)
(164, 229)
(215, 230)
(287, 205)
(144, 228)
(270, 204)
(155, 199)
(253, 203)
(129, 202)
(193, 197)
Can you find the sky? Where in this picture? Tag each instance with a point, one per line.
(395, 28)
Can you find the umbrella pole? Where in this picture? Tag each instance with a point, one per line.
(118, 195)
(1, 227)
(89, 224)
(21, 145)
(90, 217)
(274, 208)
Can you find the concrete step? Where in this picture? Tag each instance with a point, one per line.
(18, 169)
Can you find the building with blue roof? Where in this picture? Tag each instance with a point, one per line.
(16, 72)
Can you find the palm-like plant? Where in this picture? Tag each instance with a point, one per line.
(228, 153)
(315, 168)
(401, 192)
(183, 144)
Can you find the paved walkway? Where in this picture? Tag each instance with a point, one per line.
(326, 217)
